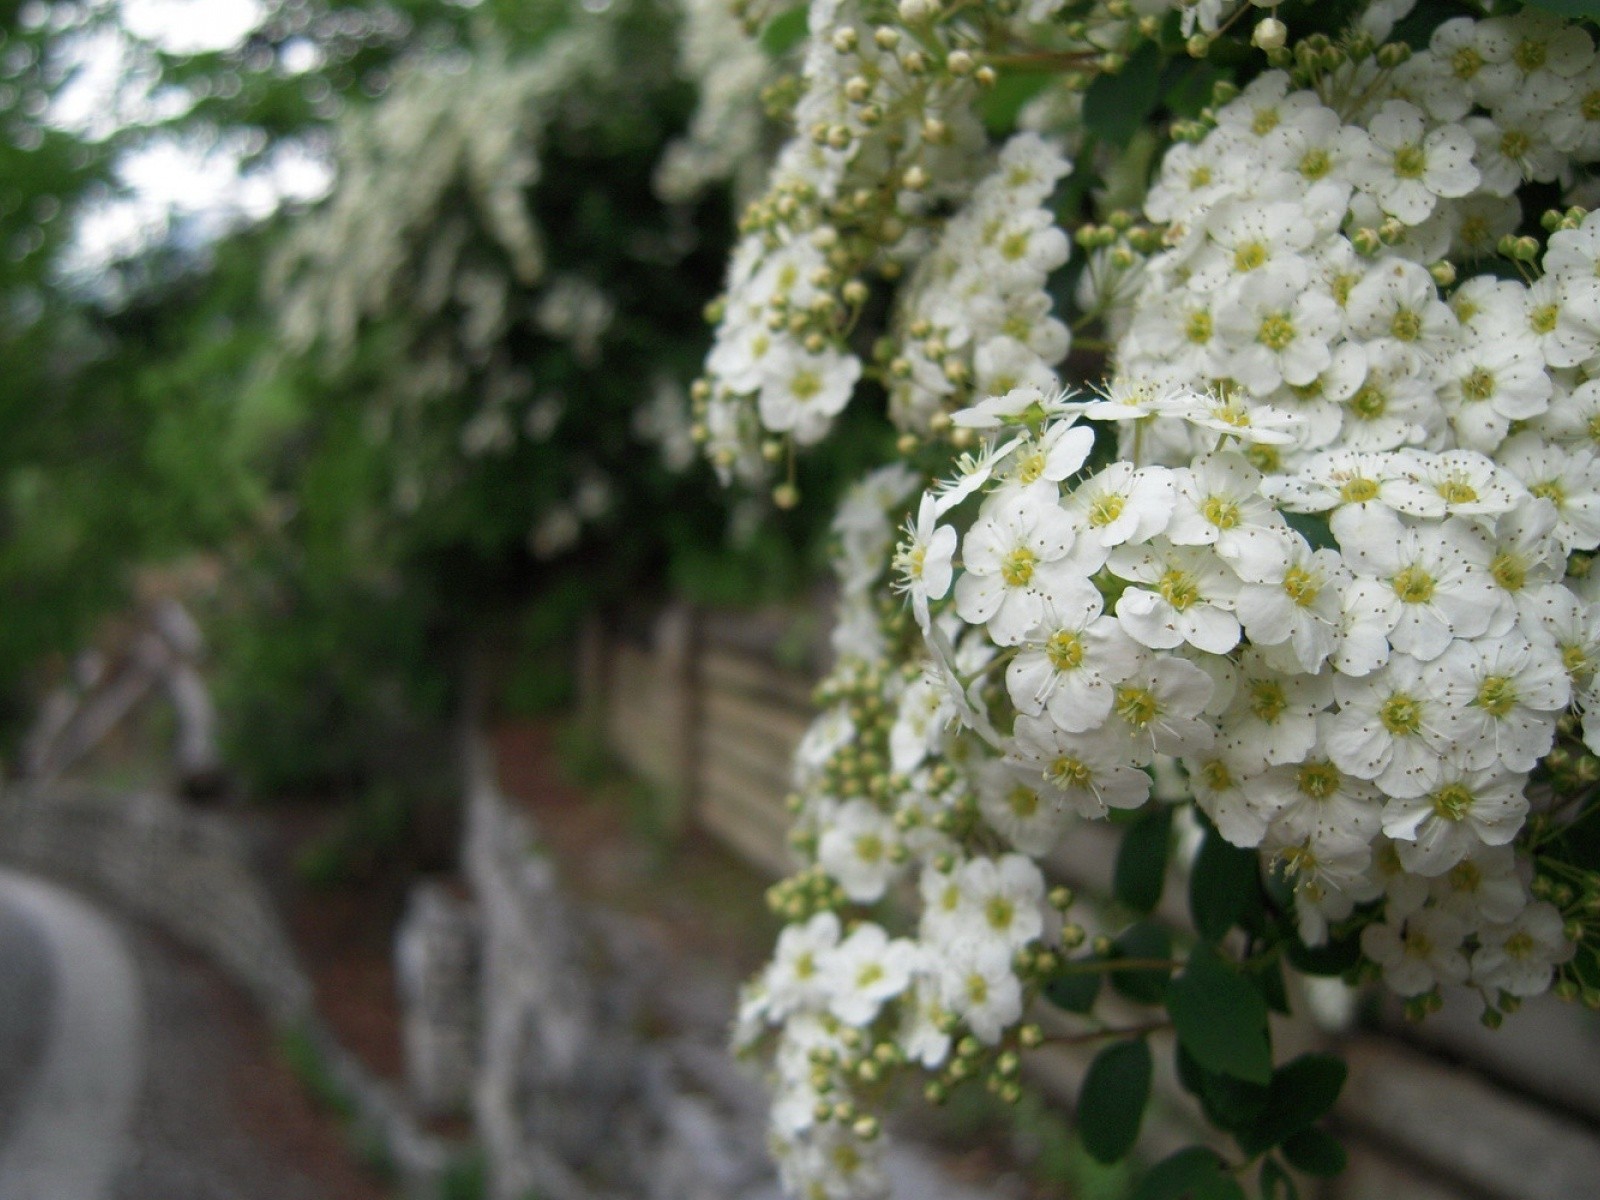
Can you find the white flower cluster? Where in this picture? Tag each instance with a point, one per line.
(724, 139)
(975, 317)
(1303, 226)
(1336, 583)
(885, 129)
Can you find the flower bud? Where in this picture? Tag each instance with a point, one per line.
(958, 62)
(1269, 34)
(786, 496)
(1392, 54)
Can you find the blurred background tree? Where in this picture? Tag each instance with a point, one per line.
(383, 314)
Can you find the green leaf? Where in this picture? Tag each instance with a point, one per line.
(1276, 1183)
(1224, 886)
(1315, 1152)
(1074, 991)
(1334, 958)
(784, 32)
(1228, 1103)
(1568, 8)
(1301, 1091)
(1112, 1100)
(1268, 978)
(1142, 859)
(1147, 940)
(1186, 85)
(1000, 105)
(1115, 106)
(1192, 1174)
(1314, 528)
(1221, 1018)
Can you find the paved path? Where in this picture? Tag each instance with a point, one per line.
(72, 1040)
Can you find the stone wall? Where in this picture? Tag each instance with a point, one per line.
(602, 1070)
(1417, 1094)
(190, 873)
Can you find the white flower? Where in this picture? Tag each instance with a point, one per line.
(1423, 587)
(1091, 773)
(977, 984)
(1276, 330)
(1412, 167)
(1568, 478)
(1190, 600)
(1419, 952)
(1520, 956)
(801, 392)
(1016, 559)
(1299, 611)
(797, 977)
(1507, 692)
(857, 849)
(1218, 504)
(1001, 899)
(1458, 810)
(1123, 503)
(923, 559)
(1021, 808)
(866, 969)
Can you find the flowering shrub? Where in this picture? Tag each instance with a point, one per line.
(1307, 574)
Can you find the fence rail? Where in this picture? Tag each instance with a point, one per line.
(702, 708)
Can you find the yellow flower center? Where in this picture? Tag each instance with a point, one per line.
(1358, 490)
(1369, 403)
(1216, 775)
(1070, 772)
(1267, 700)
(1178, 589)
(999, 912)
(1276, 332)
(1106, 509)
(1401, 715)
(1221, 512)
(1198, 327)
(1529, 55)
(1318, 780)
(1064, 650)
(869, 847)
(1452, 802)
(1137, 706)
(1248, 256)
(1266, 120)
(1509, 571)
(1407, 325)
(1543, 319)
(1514, 144)
(1551, 490)
(1022, 801)
(1497, 695)
(1413, 585)
(1465, 876)
(1455, 491)
(1315, 163)
(1478, 384)
(1017, 567)
(805, 385)
(1301, 586)
(1410, 162)
(1466, 62)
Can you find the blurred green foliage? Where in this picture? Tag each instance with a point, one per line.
(154, 413)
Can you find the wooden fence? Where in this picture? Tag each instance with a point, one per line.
(698, 704)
